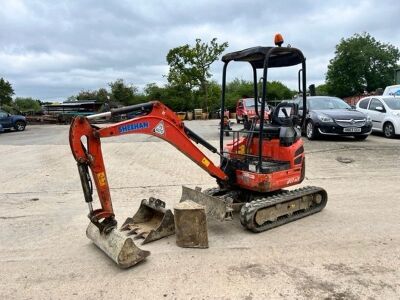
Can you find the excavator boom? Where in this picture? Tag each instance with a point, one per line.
(152, 118)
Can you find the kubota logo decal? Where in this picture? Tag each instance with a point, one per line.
(133, 127)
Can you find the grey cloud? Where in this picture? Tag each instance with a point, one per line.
(53, 49)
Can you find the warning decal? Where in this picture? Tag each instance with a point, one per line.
(101, 177)
(159, 129)
(205, 162)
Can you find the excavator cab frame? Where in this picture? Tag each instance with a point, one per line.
(263, 58)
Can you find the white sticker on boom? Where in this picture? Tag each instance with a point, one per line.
(159, 129)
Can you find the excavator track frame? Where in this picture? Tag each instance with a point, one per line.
(282, 208)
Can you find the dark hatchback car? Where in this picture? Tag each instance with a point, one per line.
(332, 116)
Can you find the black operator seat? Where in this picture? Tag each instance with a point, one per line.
(279, 117)
(286, 114)
(282, 126)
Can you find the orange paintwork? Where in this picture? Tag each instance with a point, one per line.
(164, 123)
(171, 130)
(272, 150)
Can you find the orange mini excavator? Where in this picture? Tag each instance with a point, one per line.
(255, 164)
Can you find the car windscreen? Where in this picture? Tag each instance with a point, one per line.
(249, 102)
(393, 103)
(327, 103)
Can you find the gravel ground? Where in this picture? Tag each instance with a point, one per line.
(351, 250)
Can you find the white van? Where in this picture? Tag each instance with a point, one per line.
(392, 90)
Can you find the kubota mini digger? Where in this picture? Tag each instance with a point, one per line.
(255, 165)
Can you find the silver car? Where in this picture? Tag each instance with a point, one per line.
(384, 112)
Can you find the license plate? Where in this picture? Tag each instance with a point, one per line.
(352, 129)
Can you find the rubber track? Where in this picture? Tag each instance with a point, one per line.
(249, 210)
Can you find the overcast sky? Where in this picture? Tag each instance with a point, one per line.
(53, 49)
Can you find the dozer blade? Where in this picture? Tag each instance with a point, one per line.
(151, 222)
(120, 248)
(214, 206)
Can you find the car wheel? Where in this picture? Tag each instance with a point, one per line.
(20, 126)
(311, 131)
(388, 130)
(360, 137)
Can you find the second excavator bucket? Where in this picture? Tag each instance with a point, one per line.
(120, 248)
(152, 221)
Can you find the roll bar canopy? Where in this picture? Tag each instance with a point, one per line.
(280, 56)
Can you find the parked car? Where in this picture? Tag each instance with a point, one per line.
(332, 116)
(384, 112)
(245, 111)
(392, 90)
(8, 121)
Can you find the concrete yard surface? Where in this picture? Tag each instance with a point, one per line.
(351, 250)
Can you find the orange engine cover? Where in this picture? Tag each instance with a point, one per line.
(255, 180)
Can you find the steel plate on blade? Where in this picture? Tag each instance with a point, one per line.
(214, 206)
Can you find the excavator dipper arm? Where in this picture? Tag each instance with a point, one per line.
(152, 118)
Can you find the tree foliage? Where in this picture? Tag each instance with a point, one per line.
(101, 95)
(361, 63)
(239, 88)
(276, 90)
(122, 93)
(6, 92)
(26, 105)
(190, 66)
(85, 95)
(322, 90)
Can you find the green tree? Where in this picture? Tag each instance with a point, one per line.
(153, 91)
(276, 90)
(190, 66)
(27, 104)
(122, 93)
(6, 92)
(361, 63)
(174, 96)
(102, 95)
(87, 95)
(322, 90)
(214, 95)
(239, 88)
(236, 89)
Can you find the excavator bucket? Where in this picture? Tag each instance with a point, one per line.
(215, 207)
(151, 222)
(120, 248)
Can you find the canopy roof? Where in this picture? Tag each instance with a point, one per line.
(280, 56)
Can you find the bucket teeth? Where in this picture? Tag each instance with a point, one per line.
(132, 231)
(151, 222)
(127, 224)
(141, 234)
